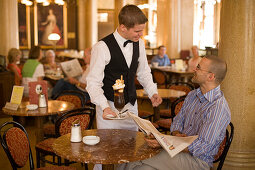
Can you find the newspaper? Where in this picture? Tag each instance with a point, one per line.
(72, 68)
(172, 144)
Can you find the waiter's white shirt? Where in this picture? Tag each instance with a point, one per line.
(100, 57)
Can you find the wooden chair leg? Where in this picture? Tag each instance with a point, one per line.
(59, 160)
(66, 162)
(86, 166)
(38, 159)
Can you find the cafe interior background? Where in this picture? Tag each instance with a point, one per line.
(219, 27)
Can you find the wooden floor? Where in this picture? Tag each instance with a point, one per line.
(4, 162)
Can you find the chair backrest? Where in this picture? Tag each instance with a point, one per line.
(224, 147)
(75, 97)
(183, 86)
(160, 78)
(84, 115)
(177, 105)
(16, 144)
(2, 63)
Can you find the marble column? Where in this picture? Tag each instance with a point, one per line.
(175, 25)
(118, 5)
(9, 33)
(237, 47)
(87, 27)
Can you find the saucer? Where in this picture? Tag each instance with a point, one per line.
(91, 140)
(32, 106)
(111, 117)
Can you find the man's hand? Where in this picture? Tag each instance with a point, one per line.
(152, 142)
(156, 100)
(72, 80)
(108, 111)
(178, 133)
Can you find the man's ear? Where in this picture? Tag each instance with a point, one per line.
(212, 76)
(123, 28)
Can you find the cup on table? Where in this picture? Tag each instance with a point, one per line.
(155, 64)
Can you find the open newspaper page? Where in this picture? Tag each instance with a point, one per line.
(72, 68)
(172, 144)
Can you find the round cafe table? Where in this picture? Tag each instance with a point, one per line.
(164, 94)
(116, 146)
(54, 107)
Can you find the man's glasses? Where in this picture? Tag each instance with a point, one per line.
(199, 68)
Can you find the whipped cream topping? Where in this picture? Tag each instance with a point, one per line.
(118, 84)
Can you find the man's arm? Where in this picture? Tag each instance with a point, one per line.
(214, 124)
(100, 56)
(144, 75)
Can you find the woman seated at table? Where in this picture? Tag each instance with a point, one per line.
(50, 61)
(14, 57)
(162, 59)
(71, 83)
(32, 69)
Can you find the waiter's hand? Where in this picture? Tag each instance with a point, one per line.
(152, 142)
(156, 100)
(108, 111)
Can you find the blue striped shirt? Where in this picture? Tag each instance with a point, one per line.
(206, 115)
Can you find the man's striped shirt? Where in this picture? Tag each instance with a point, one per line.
(206, 115)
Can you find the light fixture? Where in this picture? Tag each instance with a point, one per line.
(26, 2)
(59, 2)
(40, 1)
(46, 3)
(54, 37)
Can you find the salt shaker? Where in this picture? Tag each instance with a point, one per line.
(76, 131)
(42, 100)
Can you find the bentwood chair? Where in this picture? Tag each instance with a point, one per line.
(160, 77)
(63, 126)
(182, 86)
(16, 145)
(165, 124)
(72, 96)
(224, 147)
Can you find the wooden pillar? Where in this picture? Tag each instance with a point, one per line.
(237, 47)
(9, 33)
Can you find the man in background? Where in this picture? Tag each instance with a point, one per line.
(162, 58)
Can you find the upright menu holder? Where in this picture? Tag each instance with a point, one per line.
(16, 97)
(35, 89)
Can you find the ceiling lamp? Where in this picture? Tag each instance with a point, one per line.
(26, 2)
(46, 3)
(40, 1)
(59, 2)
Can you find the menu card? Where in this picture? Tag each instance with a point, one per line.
(16, 97)
(35, 89)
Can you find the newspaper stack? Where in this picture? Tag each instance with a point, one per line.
(172, 144)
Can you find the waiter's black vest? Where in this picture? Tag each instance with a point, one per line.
(117, 67)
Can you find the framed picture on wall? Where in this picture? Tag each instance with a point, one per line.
(24, 26)
(47, 20)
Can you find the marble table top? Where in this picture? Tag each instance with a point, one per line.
(54, 107)
(115, 147)
(163, 93)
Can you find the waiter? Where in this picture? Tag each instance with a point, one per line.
(120, 53)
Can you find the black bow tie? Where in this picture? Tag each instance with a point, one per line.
(126, 42)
